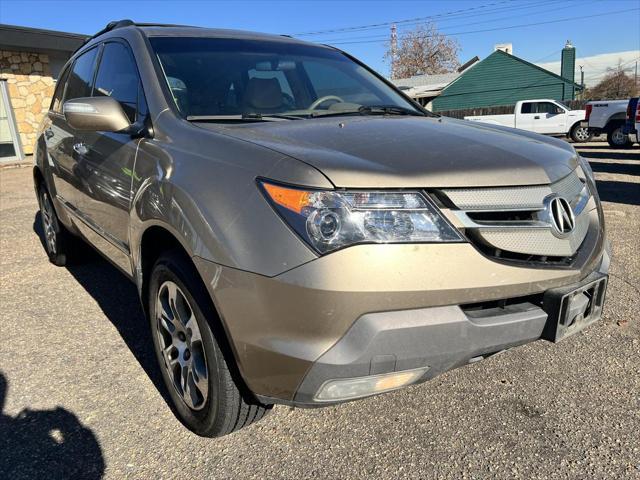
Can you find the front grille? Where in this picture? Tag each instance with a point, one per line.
(516, 222)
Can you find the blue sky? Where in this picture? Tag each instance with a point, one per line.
(477, 25)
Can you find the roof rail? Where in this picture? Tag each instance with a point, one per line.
(110, 26)
(128, 23)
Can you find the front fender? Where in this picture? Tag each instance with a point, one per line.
(213, 206)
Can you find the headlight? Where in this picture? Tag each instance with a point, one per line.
(328, 219)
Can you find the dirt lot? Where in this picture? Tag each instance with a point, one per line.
(80, 393)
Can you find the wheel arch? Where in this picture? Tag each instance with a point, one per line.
(158, 239)
(38, 177)
(574, 125)
(614, 121)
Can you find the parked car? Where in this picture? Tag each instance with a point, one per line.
(298, 230)
(608, 117)
(632, 125)
(545, 116)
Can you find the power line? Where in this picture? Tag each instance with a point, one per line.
(605, 70)
(445, 28)
(382, 38)
(400, 22)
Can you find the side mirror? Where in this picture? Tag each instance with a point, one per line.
(97, 114)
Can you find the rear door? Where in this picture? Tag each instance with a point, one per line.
(524, 118)
(75, 82)
(107, 157)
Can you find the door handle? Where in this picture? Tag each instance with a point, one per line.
(537, 117)
(80, 148)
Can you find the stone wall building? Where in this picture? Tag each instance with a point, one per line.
(30, 62)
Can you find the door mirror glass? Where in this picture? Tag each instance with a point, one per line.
(97, 114)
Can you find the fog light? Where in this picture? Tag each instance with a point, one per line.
(350, 388)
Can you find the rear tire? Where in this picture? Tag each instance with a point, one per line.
(580, 134)
(57, 239)
(617, 138)
(205, 396)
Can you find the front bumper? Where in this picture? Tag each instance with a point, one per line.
(371, 309)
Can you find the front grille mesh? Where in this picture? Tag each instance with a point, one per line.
(533, 237)
(513, 198)
(536, 241)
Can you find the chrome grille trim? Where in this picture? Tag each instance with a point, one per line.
(532, 235)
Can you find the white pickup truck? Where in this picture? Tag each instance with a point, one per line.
(549, 117)
(608, 116)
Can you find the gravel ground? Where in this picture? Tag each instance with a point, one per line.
(80, 397)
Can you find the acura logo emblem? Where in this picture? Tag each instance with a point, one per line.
(560, 216)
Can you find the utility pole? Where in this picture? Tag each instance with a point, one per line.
(581, 83)
(394, 50)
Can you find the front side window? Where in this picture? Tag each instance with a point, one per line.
(81, 76)
(118, 78)
(547, 107)
(218, 77)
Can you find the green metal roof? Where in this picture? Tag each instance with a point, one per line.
(503, 79)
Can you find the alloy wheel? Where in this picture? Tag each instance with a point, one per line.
(582, 134)
(47, 217)
(181, 345)
(618, 137)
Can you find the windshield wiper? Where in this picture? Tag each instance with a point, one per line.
(248, 117)
(262, 116)
(388, 110)
(370, 110)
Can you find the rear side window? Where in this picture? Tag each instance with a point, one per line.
(527, 108)
(56, 101)
(80, 79)
(118, 78)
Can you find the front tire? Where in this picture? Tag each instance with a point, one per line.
(205, 396)
(580, 134)
(617, 138)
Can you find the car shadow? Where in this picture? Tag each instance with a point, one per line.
(593, 146)
(631, 154)
(619, 192)
(39, 444)
(619, 168)
(118, 298)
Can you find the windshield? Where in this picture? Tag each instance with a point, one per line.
(213, 77)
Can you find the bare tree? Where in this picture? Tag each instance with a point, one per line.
(423, 50)
(615, 84)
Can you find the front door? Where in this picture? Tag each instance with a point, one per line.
(106, 159)
(549, 118)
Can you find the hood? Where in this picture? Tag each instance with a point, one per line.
(413, 152)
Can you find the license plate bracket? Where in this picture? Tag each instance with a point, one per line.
(572, 309)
